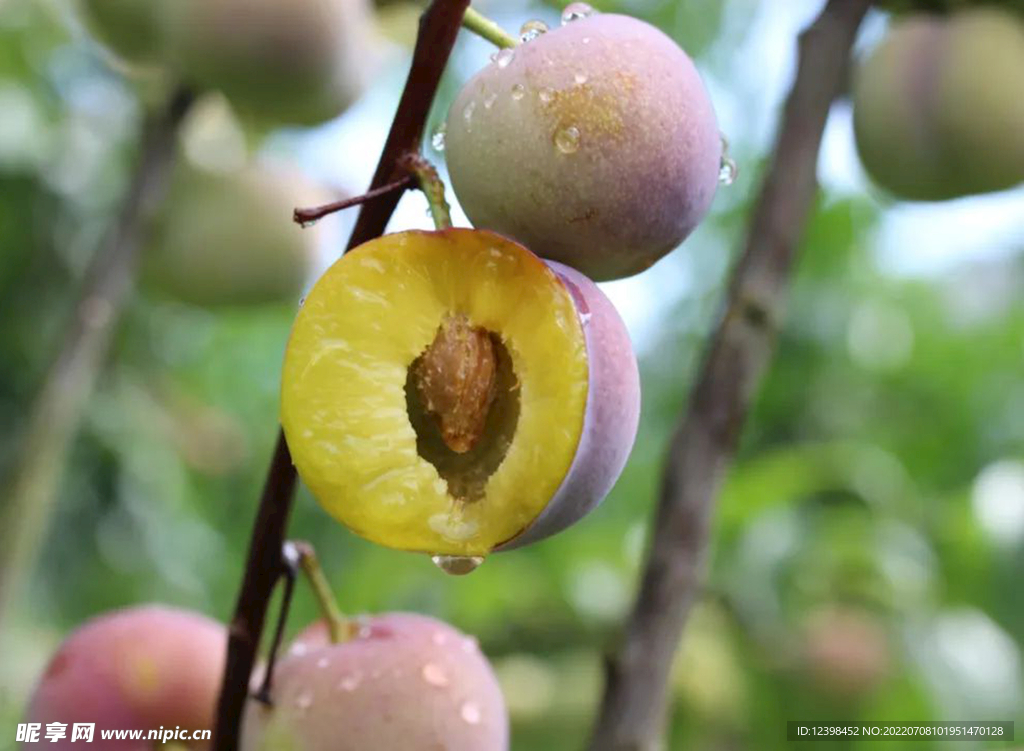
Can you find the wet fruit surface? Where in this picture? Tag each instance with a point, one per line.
(594, 144)
(402, 681)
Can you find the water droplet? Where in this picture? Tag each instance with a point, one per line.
(458, 565)
(437, 140)
(467, 113)
(490, 99)
(304, 700)
(567, 139)
(531, 30)
(323, 662)
(580, 78)
(518, 91)
(435, 675)
(350, 682)
(727, 171)
(470, 713)
(585, 318)
(298, 649)
(503, 57)
(576, 12)
(302, 301)
(307, 223)
(546, 95)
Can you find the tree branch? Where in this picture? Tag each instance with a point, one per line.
(439, 27)
(57, 411)
(632, 713)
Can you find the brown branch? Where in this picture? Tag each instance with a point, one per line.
(56, 413)
(439, 27)
(306, 217)
(633, 709)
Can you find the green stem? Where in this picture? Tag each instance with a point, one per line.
(432, 186)
(484, 27)
(338, 625)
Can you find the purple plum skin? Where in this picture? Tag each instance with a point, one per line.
(138, 668)
(404, 681)
(621, 190)
(611, 418)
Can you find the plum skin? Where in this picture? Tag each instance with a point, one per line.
(647, 149)
(403, 681)
(612, 413)
(137, 668)
(934, 114)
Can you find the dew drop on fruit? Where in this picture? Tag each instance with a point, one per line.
(434, 675)
(585, 318)
(490, 99)
(567, 139)
(503, 57)
(467, 113)
(350, 682)
(518, 91)
(470, 713)
(580, 78)
(546, 95)
(576, 12)
(531, 30)
(304, 700)
(458, 565)
(437, 140)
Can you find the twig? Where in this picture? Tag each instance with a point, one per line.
(432, 186)
(439, 27)
(487, 29)
(339, 628)
(57, 411)
(306, 217)
(632, 713)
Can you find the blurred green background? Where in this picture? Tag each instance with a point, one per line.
(868, 547)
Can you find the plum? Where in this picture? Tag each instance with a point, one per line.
(141, 668)
(402, 681)
(450, 393)
(595, 144)
(935, 112)
(132, 29)
(298, 62)
(226, 238)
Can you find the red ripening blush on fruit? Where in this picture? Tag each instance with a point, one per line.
(402, 681)
(594, 144)
(134, 669)
(450, 393)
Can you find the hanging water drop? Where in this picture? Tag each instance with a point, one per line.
(518, 91)
(546, 95)
(503, 57)
(727, 171)
(531, 30)
(567, 140)
(576, 12)
(307, 223)
(437, 140)
(458, 565)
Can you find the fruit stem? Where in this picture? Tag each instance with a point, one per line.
(484, 27)
(339, 627)
(432, 186)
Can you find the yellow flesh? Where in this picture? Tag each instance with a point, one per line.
(343, 403)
